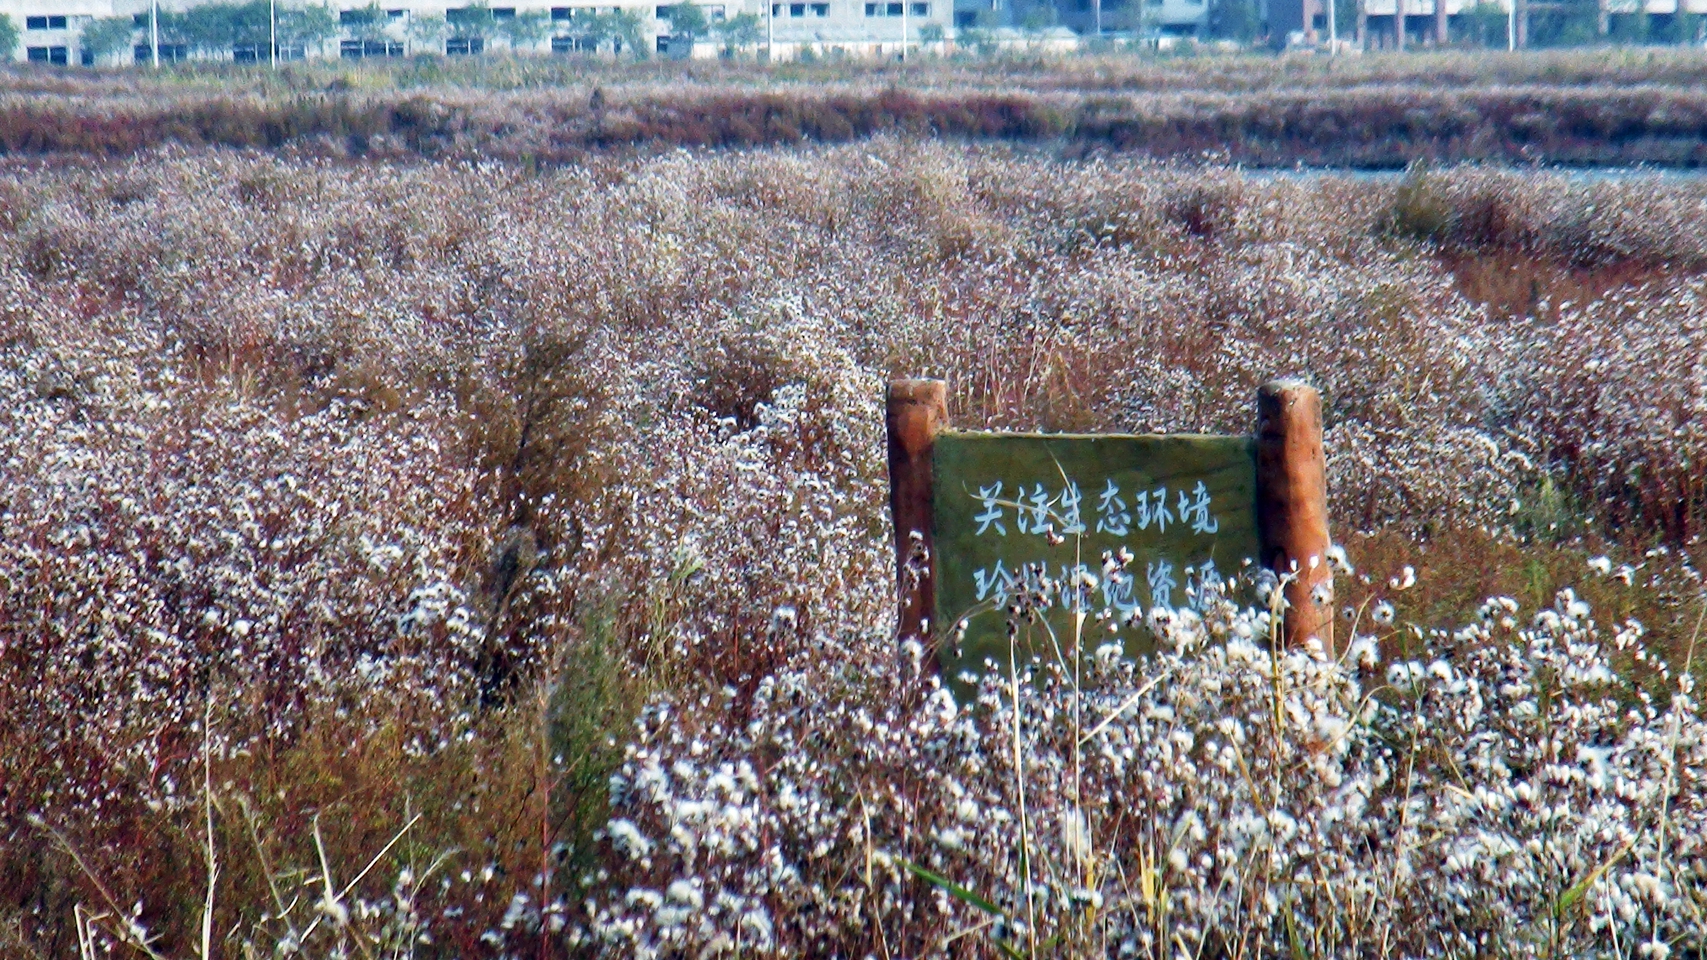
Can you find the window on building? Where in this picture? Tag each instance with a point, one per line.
(797, 9)
(464, 14)
(355, 18)
(895, 9)
(362, 49)
(250, 53)
(820, 9)
(44, 23)
(560, 15)
(169, 53)
(86, 57)
(503, 13)
(662, 13)
(714, 13)
(921, 9)
(397, 14)
(464, 46)
(59, 56)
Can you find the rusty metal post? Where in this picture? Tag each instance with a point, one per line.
(1292, 505)
(917, 412)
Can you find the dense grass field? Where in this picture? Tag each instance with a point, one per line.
(457, 557)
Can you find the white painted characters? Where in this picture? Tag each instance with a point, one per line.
(1195, 510)
(1071, 525)
(993, 583)
(1160, 575)
(1038, 511)
(1071, 586)
(1112, 516)
(1034, 512)
(1152, 507)
(990, 497)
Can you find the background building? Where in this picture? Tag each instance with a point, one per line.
(110, 32)
(1136, 17)
(864, 28)
(104, 32)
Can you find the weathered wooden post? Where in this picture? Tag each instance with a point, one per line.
(1292, 505)
(917, 412)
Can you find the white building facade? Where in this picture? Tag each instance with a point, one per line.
(856, 28)
(50, 31)
(63, 32)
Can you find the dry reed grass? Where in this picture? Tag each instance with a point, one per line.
(346, 493)
(1618, 107)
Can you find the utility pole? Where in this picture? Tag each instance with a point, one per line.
(1334, 30)
(770, 32)
(1096, 8)
(273, 31)
(1510, 25)
(154, 31)
(905, 5)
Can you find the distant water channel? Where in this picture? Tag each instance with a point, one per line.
(1692, 175)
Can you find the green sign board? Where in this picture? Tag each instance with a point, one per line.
(1183, 507)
